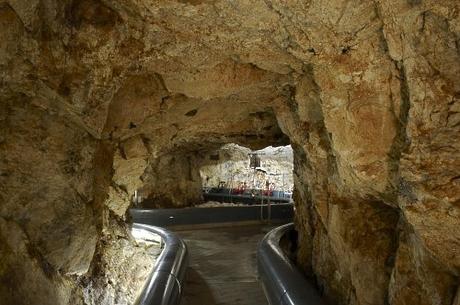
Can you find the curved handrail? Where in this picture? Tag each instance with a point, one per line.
(165, 282)
(283, 283)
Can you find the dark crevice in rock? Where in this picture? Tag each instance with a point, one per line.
(320, 127)
(192, 112)
(456, 294)
(300, 162)
(103, 163)
(401, 141)
(265, 128)
(345, 50)
(390, 262)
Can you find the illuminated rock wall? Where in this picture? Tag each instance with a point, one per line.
(94, 94)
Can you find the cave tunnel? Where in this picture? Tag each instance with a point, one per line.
(226, 173)
(102, 99)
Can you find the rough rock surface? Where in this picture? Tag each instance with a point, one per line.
(97, 97)
(121, 271)
(172, 180)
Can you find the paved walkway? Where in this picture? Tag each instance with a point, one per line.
(223, 269)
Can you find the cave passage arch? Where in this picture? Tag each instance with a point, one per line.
(92, 92)
(186, 179)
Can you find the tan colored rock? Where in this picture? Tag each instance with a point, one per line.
(127, 260)
(417, 277)
(227, 78)
(102, 98)
(134, 148)
(32, 272)
(172, 181)
(457, 298)
(128, 172)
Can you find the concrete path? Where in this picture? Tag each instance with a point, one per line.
(223, 269)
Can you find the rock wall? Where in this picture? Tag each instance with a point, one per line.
(372, 209)
(172, 180)
(46, 186)
(100, 98)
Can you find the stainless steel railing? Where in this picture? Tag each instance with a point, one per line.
(165, 283)
(283, 283)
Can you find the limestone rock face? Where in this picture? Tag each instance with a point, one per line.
(172, 180)
(46, 187)
(120, 271)
(102, 98)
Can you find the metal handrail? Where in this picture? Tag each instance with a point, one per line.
(283, 283)
(165, 283)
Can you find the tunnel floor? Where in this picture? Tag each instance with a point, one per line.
(223, 268)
